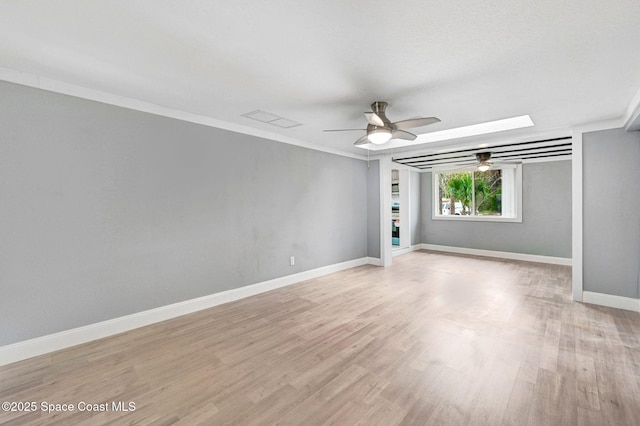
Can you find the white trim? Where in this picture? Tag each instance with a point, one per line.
(404, 183)
(64, 339)
(477, 218)
(468, 168)
(373, 261)
(386, 256)
(632, 115)
(615, 123)
(488, 142)
(500, 254)
(399, 166)
(43, 83)
(518, 199)
(611, 301)
(398, 252)
(523, 161)
(576, 217)
(406, 250)
(547, 159)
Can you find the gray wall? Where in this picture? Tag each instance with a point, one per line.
(106, 211)
(373, 209)
(546, 219)
(611, 212)
(414, 197)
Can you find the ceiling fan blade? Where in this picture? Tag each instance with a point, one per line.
(362, 141)
(401, 134)
(498, 162)
(415, 122)
(467, 167)
(343, 130)
(374, 119)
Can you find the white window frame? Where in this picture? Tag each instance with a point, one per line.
(517, 217)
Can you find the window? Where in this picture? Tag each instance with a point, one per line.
(469, 194)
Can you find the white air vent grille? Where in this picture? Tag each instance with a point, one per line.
(272, 119)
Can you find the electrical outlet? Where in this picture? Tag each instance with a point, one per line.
(292, 260)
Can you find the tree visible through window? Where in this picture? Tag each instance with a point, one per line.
(474, 193)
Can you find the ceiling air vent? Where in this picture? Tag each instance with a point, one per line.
(272, 119)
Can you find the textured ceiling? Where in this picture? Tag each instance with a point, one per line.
(321, 64)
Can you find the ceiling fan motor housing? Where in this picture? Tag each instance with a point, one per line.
(380, 129)
(379, 109)
(483, 156)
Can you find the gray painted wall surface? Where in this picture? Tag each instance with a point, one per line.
(414, 196)
(546, 220)
(106, 211)
(373, 209)
(611, 218)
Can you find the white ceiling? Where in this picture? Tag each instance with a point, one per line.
(322, 63)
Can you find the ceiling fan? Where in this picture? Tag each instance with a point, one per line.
(381, 130)
(484, 163)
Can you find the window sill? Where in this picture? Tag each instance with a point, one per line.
(478, 218)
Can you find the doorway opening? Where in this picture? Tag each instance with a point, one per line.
(400, 238)
(395, 209)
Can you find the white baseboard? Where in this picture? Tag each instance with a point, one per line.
(500, 254)
(398, 252)
(374, 261)
(611, 301)
(64, 339)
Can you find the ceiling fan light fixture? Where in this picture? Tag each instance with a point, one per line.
(484, 166)
(381, 130)
(465, 131)
(379, 135)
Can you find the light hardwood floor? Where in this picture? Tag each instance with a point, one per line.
(433, 339)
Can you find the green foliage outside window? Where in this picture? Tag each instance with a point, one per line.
(458, 187)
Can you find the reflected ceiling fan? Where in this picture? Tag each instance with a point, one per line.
(381, 130)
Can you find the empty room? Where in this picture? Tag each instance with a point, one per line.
(319, 213)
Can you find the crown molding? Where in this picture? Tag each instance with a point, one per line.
(56, 86)
(632, 116)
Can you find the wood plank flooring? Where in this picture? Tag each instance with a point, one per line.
(433, 339)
